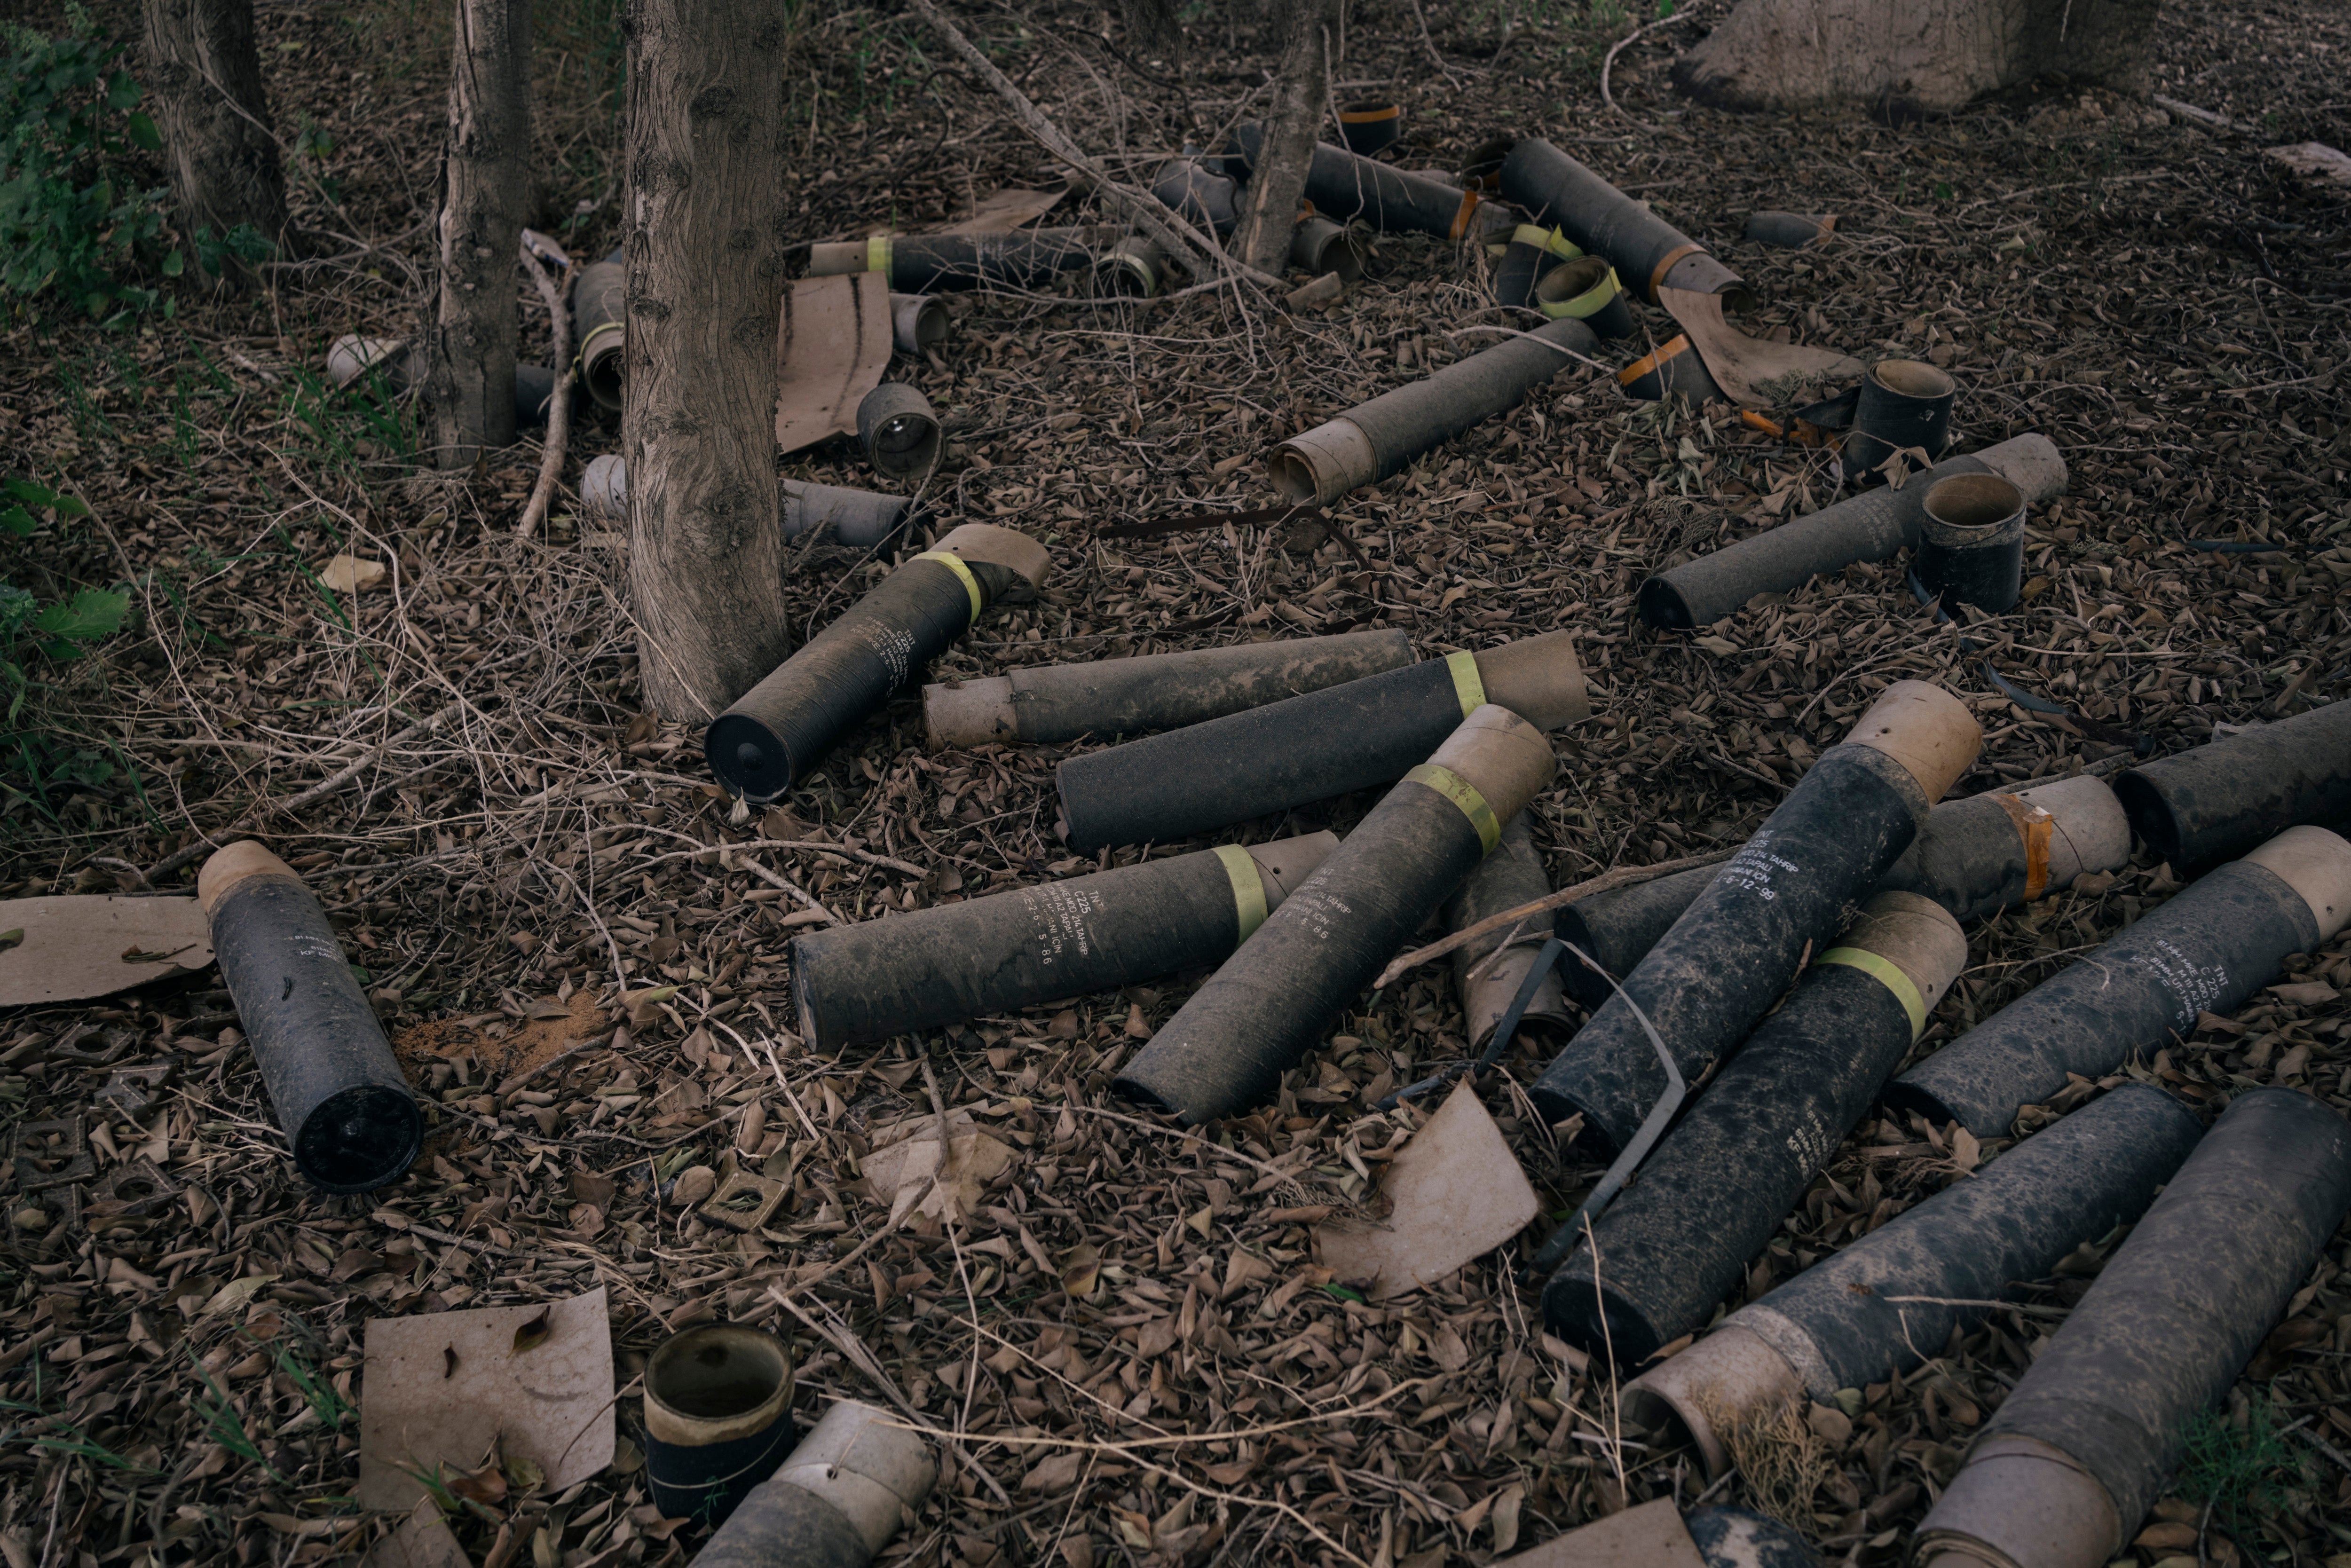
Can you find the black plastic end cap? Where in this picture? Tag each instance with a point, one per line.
(360, 1139)
(748, 757)
(1661, 606)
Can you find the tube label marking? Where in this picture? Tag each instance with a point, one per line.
(1249, 887)
(1468, 684)
(1750, 869)
(963, 574)
(2194, 986)
(1059, 914)
(1886, 973)
(1464, 794)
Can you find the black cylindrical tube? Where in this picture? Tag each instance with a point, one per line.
(1674, 367)
(1228, 1047)
(1972, 542)
(899, 432)
(1903, 403)
(837, 1500)
(2092, 1431)
(1371, 731)
(1678, 1240)
(858, 518)
(1789, 231)
(776, 732)
(598, 323)
(1011, 949)
(2224, 797)
(1204, 197)
(534, 395)
(1648, 251)
(1511, 877)
(349, 1115)
(1344, 186)
(1320, 247)
(1793, 886)
(718, 1419)
(2206, 950)
(1134, 268)
(1586, 289)
(1616, 929)
(916, 322)
(1047, 704)
(1374, 440)
(1531, 252)
(1371, 127)
(1871, 526)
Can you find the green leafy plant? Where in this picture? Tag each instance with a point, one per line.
(2238, 1465)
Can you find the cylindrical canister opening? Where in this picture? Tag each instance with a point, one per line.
(1971, 544)
(600, 366)
(1320, 247)
(1134, 268)
(710, 1384)
(1371, 126)
(361, 1138)
(1912, 378)
(1968, 508)
(899, 432)
(917, 322)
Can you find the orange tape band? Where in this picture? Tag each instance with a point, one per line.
(1370, 116)
(1657, 279)
(1461, 219)
(1649, 362)
(2034, 826)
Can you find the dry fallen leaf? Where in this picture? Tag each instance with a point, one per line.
(350, 573)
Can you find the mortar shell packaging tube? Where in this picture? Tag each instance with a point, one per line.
(1586, 289)
(1046, 704)
(1344, 186)
(778, 731)
(916, 322)
(1674, 368)
(1531, 252)
(1903, 404)
(1972, 542)
(349, 1115)
(1166, 788)
(899, 432)
(859, 517)
(1010, 949)
(928, 263)
(1789, 231)
(2208, 949)
(853, 1484)
(1371, 126)
(1228, 1047)
(2067, 1467)
(1375, 440)
(718, 1419)
(1319, 247)
(2220, 799)
(600, 303)
(1710, 1195)
(1734, 951)
(1886, 1302)
(1873, 526)
(1648, 252)
(1512, 875)
(1134, 268)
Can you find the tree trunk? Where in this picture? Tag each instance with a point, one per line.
(1308, 31)
(484, 182)
(707, 228)
(206, 75)
(1922, 56)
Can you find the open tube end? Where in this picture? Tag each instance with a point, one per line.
(1324, 463)
(225, 868)
(1011, 548)
(959, 715)
(2019, 1502)
(1912, 378)
(2317, 864)
(1661, 606)
(1538, 678)
(2150, 815)
(1917, 935)
(1500, 754)
(716, 1384)
(1729, 1377)
(1925, 728)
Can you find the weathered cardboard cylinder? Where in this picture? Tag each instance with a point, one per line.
(1735, 950)
(1903, 403)
(1972, 542)
(899, 432)
(2067, 1467)
(1319, 247)
(1789, 231)
(855, 1482)
(1674, 368)
(402, 367)
(2207, 949)
(1884, 1303)
(1873, 526)
(1586, 289)
(1047, 705)
(1009, 950)
(778, 731)
(1648, 252)
(1511, 877)
(1134, 268)
(718, 1419)
(861, 518)
(2220, 799)
(1532, 251)
(1343, 187)
(600, 302)
(917, 322)
(349, 1115)
(1228, 1047)
(1201, 196)
(1371, 127)
(1166, 788)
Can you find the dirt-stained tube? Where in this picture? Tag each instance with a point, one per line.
(1047, 705)
(1903, 403)
(1585, 288)
(1789, 231)
(1649, 253)
(2223, 798)
(1512, 875)
(1531, 252)
(917, 322)
(1205, 197)
(1886, 1302)
(1228, 1047)
(1873, 526)
(1320, 247)
(1972, 542)
(1734, 951)
(2207, 950)
(1674, 366)
(718, 1419)
(861, 518)
(927, 264)
(1344, 186)
(598, 326)
(899, 432)
(1169, 787)
(1134, 268)
(1710, 1196)
(402, 367)
(778, 730)
(854, 1482)
(2068, 1466)
(1371, 127)
(1011, 949)
(1379, 438)
(349, 1115)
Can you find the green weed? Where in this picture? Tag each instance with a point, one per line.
(2240, 1467)
(224, 1426)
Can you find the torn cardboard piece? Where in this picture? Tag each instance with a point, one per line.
(64, 948)
(1001, 211)
(900, 1173)
(1454, 1195)
(2313, 161)
(831, 350)
(1746, 367)
(532, 1382)
(1650, 1536)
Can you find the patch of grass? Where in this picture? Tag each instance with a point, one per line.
(2239, 1465)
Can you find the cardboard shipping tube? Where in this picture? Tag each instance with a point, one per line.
(347, 1113)
(1134, 268)
(1379, 438)
(1886, 1302)
(402, 367)
(1319, 247)
(1710, 1195)
(2223, 798)
(1166, 788)
(1674, 367)
(598, 323)
(2074, 1458)
(1971, 543)
(899, 432)
(1371, 127)
(778, 731)
(1344, 186)
(1012, 949)
(1903, 404)
(917, 322)
(1647, 251)
(718, 1419)
(1201, 197)
(857, 1479)
(1789, 231)
(1586, 289)
(1047, 705)
(1512, 875)
(1790, 888)
(1871, 526)
(1531, 252)
(860, 518)
(2208, 949)
(1228, 1047)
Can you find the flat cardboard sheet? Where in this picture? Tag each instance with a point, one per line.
(1455, 1194)
(1754, 372)
(1650, 1536)
(1001, 211)
(831, 351)
(96, 945)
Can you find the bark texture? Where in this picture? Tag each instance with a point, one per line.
(485, 186)
(206, 76)
(707, 226)
(1915, 55)
(1308, 33)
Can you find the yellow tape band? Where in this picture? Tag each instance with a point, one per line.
(1464, 794)
(1249, 887)
(590, 342)
(1468, 684)
(970, 583)
(1551, 239)
(1886, 973)
(1590, 302)
(877, 254)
